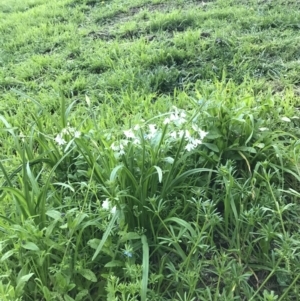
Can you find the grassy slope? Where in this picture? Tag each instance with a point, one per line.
(144, 47)
(129, 58)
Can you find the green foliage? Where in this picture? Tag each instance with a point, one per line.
(149, 151)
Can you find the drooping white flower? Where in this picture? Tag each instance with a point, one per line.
(114, 147)
(124, 142)
(77, 134)
(197, 141)
(182, 114)
(181, 133)
(65, 131)
(202, 134)
(173, 135)
(121, 150)
(60, 140)
(167, 120)
(113, 210)
(173, 117)
(152, 128)
(152, 131)
(106, 204)
(129, 134)
(189, 147)
(178, 117)
(187, 135)
(137, 127)
(70, 131)
(136, 141)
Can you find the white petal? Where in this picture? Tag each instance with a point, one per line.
(173, 135)
(114, 147)
(59, 140)
(77, 134)
(152, 128)
(167, 120)
(187, 134)
(286, 119)
(202, 134)
(129, 134)
(189, 147)
(106, 204)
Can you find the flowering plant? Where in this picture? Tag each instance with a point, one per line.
(146, 165)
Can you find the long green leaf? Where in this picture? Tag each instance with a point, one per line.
(105, 235)
(145, 276)
(20, 200)
(182, 223)
(186, 174)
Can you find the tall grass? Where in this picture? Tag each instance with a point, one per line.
(195, 203)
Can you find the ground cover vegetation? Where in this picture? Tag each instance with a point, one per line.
(149, 150)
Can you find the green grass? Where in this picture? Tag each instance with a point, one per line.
(149, 150)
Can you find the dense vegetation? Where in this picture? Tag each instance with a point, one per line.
(149, 150)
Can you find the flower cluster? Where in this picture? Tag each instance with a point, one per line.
(69, 131)
(177, 117)
(175, 122)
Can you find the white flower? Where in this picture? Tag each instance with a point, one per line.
(178, 117)
(167, 120)
(189, 147)
(106, 204)
(65, 131)
(70, 131)
(60, 140)
(124, 143)
(202, 134)
(173, 135)
(77, 134)
(195, 127)
(136, 127)
(181, 133)
(263, 129)
(136, 141)
(121, 150)
(187, 135)
(129, 134)
(182, 114)
(113, 210)
(197, 142)
(153, 130)
(173, 117)
(114, 147)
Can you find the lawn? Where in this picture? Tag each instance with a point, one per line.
(150, 150)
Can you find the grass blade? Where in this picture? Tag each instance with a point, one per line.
(145, 268)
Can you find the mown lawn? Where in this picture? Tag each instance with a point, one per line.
(149, 150)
